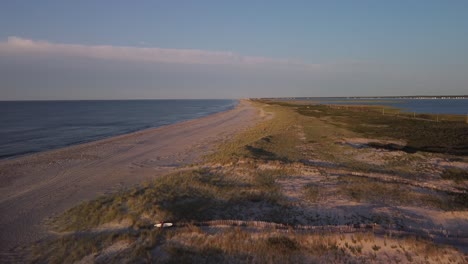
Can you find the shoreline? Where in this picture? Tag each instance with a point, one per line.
(112, 137)
(41, 185)
(131, 131)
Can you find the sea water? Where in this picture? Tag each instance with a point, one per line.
(33, 126)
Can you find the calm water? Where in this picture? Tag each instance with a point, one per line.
(429, 106)
(34, 126)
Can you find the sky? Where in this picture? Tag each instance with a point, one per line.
(87, 49)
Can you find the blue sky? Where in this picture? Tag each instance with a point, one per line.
(219, 49)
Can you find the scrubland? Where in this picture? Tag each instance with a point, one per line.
(308, 184)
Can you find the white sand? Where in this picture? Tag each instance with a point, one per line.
(39, 186)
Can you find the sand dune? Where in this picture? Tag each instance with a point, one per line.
(36, 187)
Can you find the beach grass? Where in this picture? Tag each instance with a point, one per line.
(421, 135)
(371, 191)
(272, 139)
(252, 178)
(456, 174)
(312, 192)
(234, 245)
(196, 195)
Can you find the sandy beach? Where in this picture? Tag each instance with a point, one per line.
(37, 187)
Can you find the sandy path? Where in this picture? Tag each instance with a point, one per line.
(39, 186)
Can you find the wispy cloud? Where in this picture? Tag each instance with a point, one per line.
(22, 46)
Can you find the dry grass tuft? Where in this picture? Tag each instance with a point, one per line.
(245, 179)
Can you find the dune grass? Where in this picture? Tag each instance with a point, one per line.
(234, 245)
(238, 246)
(312, 192)
(240, 181)
(458, 175)
(420, 135)
(74, 247)
(195, 195)
(70, 248)
(371, 191)
(272, 139)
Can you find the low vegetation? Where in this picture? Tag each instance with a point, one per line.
(371, 191)
(196, 195)
(296, 168)
(273, 139)
(312, 192)
(456, 174)
(234, 245)
(420, 134)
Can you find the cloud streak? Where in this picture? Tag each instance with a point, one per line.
(28, 47)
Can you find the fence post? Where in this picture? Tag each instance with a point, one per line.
(383, 111)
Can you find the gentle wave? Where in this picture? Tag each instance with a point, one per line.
(33, 126)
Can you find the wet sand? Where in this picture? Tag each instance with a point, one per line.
(36, 187)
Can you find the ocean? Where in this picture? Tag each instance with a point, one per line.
(426, 106)
(34, 126)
